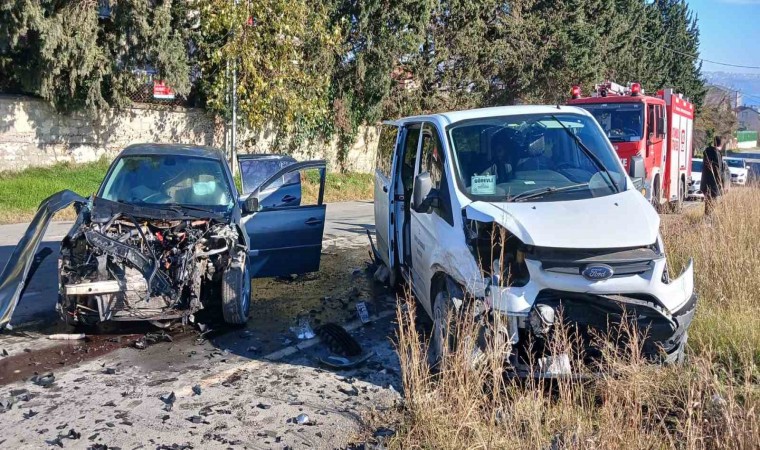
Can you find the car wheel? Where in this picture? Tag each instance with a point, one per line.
(443, 337)
(655, 200)
(236, 294)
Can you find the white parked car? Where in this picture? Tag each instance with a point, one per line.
(739, 170)
(578, 237)
(695, 186)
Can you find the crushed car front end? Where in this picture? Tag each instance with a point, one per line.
(124, 262)
(599, 293)
(540, 280)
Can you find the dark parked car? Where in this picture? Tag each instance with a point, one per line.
(168, 234)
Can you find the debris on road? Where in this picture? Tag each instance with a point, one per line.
(303, 330)
(338, 340)
(168, 400)
(362, 312)
(341, 363)
(67, 337)
(197, 389)
(43, 380)
(152, 338)
(304, 419)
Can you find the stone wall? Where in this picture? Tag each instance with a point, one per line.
(33, 134)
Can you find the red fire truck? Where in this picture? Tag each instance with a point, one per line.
(652, 135)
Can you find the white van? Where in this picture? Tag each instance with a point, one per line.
(544, 185)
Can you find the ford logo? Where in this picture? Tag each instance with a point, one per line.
(596, 272)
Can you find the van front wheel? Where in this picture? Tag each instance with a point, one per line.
(443, 339)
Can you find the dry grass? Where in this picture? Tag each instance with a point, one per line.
(339, 187)
(710, 402)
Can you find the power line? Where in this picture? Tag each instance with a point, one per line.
(691, 55)
(726, 88)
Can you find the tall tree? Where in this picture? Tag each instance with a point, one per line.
(83, 54)
(283, 52)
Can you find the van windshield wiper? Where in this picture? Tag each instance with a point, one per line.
(594, 159)
(533, 193)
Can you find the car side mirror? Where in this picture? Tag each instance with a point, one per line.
(637, 168)
(251, 204)
(424, 196)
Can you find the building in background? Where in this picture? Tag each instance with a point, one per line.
(749, 118)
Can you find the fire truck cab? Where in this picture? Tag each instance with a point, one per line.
(652, 136)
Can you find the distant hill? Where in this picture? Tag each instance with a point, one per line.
(746, 83)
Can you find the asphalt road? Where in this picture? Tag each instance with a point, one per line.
(347, 223)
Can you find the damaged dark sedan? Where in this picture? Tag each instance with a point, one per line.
(168, 234)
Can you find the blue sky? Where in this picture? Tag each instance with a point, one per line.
(729, 32)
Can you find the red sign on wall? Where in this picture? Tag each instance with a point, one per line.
(161, 90)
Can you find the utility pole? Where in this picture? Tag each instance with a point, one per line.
(233, 143)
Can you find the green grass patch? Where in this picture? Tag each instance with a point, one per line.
(21, 192)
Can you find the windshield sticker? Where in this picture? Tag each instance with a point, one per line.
(529, 182)
(483, 185)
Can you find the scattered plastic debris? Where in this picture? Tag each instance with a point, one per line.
(109, 371)
(304, 419)
(67, 337)
(382, 274)
(197, 389)
(152, 338)
(351, 392)
(383, 432)
(303, 329)
(362, 312)
(341, 363)
(168, 400)
(45, 380)
(338, 340)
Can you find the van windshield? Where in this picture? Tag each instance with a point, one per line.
(544, 157)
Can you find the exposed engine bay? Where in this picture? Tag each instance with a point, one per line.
(121, 267)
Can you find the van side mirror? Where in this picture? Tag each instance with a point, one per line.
(251, 204)
(637, 168)
(424, 197)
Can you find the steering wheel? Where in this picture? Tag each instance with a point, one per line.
(625, 131)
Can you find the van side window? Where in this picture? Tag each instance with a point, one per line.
(431, 160)
(385, 146)
(410, 158)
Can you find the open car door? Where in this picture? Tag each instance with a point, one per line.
(384, 229)
(286, 239)
(257, 168)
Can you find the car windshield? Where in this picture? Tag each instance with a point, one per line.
(621, 122)
(508, 158)
(168, 180)
(735, 163)
(696, 166)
